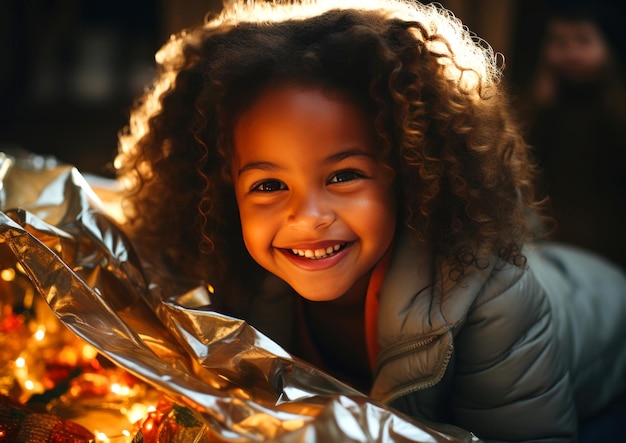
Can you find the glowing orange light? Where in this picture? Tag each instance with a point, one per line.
(149, 424)
(8, 274)
(41, 333)
(89, 352)
(102, 437)
(137, 412)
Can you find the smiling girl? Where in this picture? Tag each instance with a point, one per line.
(315, 201)
(351, 182)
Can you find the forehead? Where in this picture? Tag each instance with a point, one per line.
(563, 28)
(304, 115)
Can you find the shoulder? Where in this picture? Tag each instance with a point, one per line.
(511, 305)
(511, 300)
(509, 362)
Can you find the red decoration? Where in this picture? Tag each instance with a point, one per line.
(17, 423)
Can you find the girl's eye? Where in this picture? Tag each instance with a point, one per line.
(344, 176)
(269, 186)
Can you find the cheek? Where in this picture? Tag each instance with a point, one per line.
(386, 198)
(376, 214)
(248, 226)
(256, 229)
(249, 223)
(388, 209)
(386, 217)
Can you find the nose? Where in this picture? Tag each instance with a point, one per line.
(310, 210)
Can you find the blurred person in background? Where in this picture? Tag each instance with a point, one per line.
(577, 126)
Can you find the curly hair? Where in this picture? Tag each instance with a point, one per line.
(462, 171)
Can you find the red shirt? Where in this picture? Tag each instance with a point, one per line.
(306, 347)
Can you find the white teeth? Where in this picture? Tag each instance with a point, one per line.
(317, 253)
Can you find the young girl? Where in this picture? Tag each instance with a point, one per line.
(351, 182)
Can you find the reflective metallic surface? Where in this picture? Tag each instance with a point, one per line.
(241, 384)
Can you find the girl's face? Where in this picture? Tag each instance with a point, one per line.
(316, 203)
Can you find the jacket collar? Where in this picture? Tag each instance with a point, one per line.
(420, 309)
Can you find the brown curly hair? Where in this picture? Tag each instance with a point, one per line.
(462, 170)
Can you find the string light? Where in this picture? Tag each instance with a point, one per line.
(102, 437)
(89, 352)
(8, 274)
(136, 412)
(40, 333)
(47, 355)
(42, 355)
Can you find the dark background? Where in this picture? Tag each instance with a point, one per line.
(70, 69)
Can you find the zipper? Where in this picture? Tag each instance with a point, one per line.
(399, 349)
(404, 348)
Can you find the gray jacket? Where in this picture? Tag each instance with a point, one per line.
(510, 354)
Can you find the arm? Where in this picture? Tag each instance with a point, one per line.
(511, 381)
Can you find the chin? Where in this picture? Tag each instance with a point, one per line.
(316, 295)
(318, 298)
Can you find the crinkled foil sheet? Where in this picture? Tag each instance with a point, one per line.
(242, 385)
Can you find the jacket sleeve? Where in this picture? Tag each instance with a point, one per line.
(511, 379)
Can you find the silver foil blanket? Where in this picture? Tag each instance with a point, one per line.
(240, 384)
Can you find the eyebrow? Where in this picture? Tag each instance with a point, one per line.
(348, 153)
(265, 166)
(269, 166)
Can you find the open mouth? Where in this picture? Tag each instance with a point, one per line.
(317, 254)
